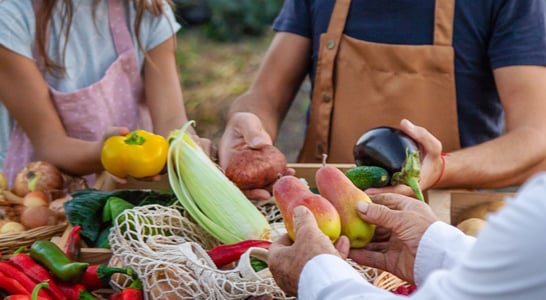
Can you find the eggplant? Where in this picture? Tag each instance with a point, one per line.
(383, 147)
(394, 151)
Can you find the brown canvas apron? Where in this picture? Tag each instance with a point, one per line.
(360, 85)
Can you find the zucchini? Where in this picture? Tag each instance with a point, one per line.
(365, 177)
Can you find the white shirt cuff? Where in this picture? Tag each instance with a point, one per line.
(440, 247)
(322, 271)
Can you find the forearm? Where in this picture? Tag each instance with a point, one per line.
(509, 159)
(27, 98)
(72, 156)
(269, 115)
(163, 91)
(277, 82)
(506, 161)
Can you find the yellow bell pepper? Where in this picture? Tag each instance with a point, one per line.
(138, 154)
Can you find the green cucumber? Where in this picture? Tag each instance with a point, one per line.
(365, 177)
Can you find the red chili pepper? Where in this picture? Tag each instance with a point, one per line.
(12, 286)
(133, 291)
(36, 272)
(12, 271)
(222, 255)
(75, 291)
(34, 296)
(72, 247)
(98, 276)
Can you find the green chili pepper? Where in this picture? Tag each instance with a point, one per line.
(56, 261)
(114, 207)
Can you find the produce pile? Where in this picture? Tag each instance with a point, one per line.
(205, 237)
(49, 272)
(36, 199)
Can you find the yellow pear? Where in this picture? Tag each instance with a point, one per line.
(335, 186)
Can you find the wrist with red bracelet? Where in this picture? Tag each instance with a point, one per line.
(442, 156)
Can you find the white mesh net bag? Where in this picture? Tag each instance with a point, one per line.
(168, 251)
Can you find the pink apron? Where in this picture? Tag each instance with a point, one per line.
(115, 100)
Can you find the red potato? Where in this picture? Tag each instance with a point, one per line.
(256, 168)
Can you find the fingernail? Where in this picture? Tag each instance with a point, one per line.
(362, 206)
(409, 124)
(256, 141)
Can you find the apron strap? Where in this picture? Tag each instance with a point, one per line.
(443, 22)
(323, 91)
(338, 18)
(332, 39)
(118, 26)
(39, 60)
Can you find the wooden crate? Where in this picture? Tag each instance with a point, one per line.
(306, 171)
(449, 204)
(446, 203)
(88, 255)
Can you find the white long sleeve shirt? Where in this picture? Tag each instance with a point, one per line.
(506, 262)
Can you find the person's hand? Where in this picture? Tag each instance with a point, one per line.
(401, 222)
(113, 131)
(430, 155)
(286, 259)
(243, 130)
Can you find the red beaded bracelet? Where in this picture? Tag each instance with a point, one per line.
(441, 171)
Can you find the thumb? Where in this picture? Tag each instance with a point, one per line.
(253, 131)
(303, 218)
(113, 131)
(377, 214)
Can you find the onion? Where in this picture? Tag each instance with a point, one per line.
(38, 216)
(38, 176)
(57, 206)
(36, 198)
(12, 227)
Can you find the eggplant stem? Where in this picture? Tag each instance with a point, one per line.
(410, 173)
(414, 185)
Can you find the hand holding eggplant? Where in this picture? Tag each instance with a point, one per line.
(393, 155)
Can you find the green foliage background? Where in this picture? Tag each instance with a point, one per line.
(232, 19)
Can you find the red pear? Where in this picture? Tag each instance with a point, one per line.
(290, 192)
(335, 186)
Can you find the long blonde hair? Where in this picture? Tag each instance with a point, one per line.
(45, 11)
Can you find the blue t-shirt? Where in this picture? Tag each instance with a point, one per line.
(487, 34)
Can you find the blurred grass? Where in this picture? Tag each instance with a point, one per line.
(214, 73)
